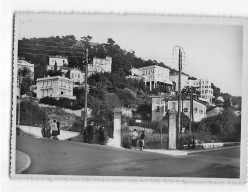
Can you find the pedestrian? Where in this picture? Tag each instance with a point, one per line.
(46, 129)
(85, 135)
(54, 129)
(58, 126)
(134, 138)
(101, 138)
(142, 140)
(90, 131)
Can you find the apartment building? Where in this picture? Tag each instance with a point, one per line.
(55, 87)
(204, 86)
(155, 76)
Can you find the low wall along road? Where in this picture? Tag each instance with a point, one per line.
(36, 132)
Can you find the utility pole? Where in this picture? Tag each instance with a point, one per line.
(179, 90)
(191, 112)
(86, 90)
(160, 122)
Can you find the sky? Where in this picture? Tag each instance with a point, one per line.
(210, 51)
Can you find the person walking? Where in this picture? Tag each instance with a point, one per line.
(54, 129)
(134, 138)
(58, 127)
(45, 131)
(142, 140)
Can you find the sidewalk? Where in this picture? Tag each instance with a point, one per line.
(187, 152)
(23, 162)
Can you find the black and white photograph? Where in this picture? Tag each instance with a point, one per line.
(133, 96)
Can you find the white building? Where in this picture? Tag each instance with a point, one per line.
(155, 76)
(204, 86)
(76, 75)
(135, 74)
(23, 63)
(55, 87)
(184, 79)
(103, 65)
(59, 60)
(92, 69)
(199, 109)
(159, 107)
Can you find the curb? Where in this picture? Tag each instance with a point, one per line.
(27, 165)
(212, 150)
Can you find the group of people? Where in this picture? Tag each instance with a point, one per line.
(138, 140)
(51, 129)
(90, 134)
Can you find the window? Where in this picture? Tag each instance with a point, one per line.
(72, 75)
(157, 110)
(173, 105)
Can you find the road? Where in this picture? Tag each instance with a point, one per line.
(54, 157)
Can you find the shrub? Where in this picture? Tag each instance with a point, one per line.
(77, 126)
(223, 127)
(62, 102)
(31, 114)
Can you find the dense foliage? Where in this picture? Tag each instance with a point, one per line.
(62, 102)
(223, 127)
(31, 114)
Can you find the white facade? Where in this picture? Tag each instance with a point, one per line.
(159, 108)
(135, 74)
(60, 60)
(199, 109)
(92, 69)
(204, 86)
(55, 87)
(155, 75)
(105, 64)
(184, 80)
(23, 63)
(77, 76)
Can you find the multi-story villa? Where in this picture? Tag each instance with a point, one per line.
(135, 74)
(22, 63)
(204, 86)
(59, 60)
(184, 79)
(199, 108)
(100, 65)
(155, 76)
(76, 75)
(55, 87)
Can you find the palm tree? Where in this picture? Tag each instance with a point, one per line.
(24, 72)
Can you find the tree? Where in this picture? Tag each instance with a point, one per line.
(55, 66)
(24, 72)
(24, 76)
(111, 41)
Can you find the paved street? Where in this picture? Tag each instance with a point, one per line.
(71, 158)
